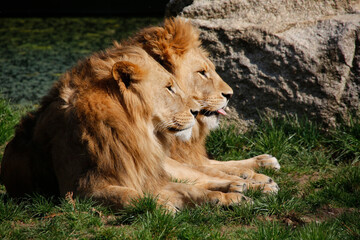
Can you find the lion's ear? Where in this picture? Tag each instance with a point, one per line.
(126, 73)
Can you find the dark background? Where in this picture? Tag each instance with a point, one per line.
(118, 8)
(40, 40)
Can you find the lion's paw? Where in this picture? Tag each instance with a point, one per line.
(267, 161)
(238, 187)
(257, 177)
(227, 199)
(271, 188)
(236, 198)
(265, 188)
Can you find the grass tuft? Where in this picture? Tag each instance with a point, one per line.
(345, 142)
(270, 230)
(137, 208)
(342, 188)
(319, 231)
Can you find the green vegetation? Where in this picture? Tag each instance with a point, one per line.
(318, 199)
(9, 117)
(319, 176)
(34, 52)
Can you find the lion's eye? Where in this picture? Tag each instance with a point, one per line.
(170, 89)
(204, 73)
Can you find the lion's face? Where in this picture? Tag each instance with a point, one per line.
(211, 91)
(176, 46)
(172, 109)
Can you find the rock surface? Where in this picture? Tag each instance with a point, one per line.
(283, 56)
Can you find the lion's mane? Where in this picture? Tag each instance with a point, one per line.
(88, 131)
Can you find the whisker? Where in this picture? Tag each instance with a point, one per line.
(163, 125)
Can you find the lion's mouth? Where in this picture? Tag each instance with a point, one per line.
(172, 129)
(208, 113)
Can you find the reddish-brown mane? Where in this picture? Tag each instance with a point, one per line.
(168, 42)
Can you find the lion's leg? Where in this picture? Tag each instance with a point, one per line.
(224, 186)
(265, 160)
(190, 174)
(118, 197)
(245, 173)
(216, 180)
(264, 187)
(181, 195)
(245, 168)
(215, 172)
(174, 196)
(114, 196)
(253, 180)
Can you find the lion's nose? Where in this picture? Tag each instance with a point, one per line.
(194, 113)
(227, 95)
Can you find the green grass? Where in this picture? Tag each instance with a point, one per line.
(318, 199)
(10, 115)
(319, 177)
(34, 52)
(8, 119)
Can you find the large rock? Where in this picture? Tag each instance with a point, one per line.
(283, 56)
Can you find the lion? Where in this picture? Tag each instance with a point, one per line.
(177, 47)
(95, 135)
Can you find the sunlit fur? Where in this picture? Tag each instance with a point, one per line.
(177, 47)
(98, 133)
(94, 131)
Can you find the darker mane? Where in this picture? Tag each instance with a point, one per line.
(168, 42)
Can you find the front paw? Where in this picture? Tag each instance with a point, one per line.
(235, 198)
(256, 177)
(265, 187)
(271, 188)
(227, 199)
(238, 187)
(267, 161)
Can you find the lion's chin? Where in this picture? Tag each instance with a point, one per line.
(184, 135)
(211, 122)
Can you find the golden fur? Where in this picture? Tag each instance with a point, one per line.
(176, 46)
(97, 132)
